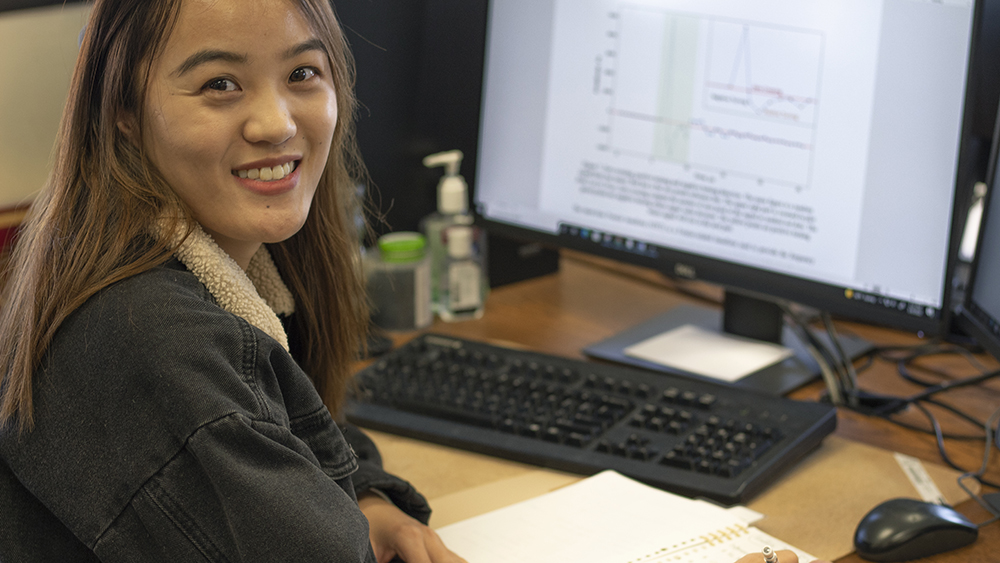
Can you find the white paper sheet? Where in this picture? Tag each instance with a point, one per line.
(608, 518)
(704, 352)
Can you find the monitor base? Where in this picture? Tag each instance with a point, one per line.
(777, 379)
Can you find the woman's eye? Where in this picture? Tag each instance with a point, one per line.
(303, 74)
(221, 85)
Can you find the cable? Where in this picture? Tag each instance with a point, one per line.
(844, 384)
(932, 347)
(990, 439)
(908, 426)
(880, 405)
(833, 384)
(939, 436)
(840, 377)
(944, 453)
(954, 384)
(851, 376)
(888, 405)
(906, 373)
(961, 414)
(910, 354)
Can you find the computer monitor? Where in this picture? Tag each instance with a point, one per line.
(808, 152)
(979, 315)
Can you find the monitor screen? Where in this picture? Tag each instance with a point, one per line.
(809, 151)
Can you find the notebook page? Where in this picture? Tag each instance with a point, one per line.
(606, 518)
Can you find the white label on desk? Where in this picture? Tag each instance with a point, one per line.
(921, 480)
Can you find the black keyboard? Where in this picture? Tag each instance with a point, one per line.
(691, 437)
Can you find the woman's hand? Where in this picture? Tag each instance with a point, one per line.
(784, 556)
(394, 533)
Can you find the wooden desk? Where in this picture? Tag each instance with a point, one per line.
(589, 300)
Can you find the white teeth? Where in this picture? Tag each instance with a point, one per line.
(268, 174)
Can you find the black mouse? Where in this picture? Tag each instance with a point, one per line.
(902, 529)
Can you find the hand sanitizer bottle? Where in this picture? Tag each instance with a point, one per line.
(453, 209)
(462, 290)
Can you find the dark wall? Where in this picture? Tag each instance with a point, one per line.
(985, 72)
(419, 72)
(420, 67)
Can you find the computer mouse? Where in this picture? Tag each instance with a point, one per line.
(902, 529)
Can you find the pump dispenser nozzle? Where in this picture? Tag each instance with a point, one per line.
(452, 188)
(451, 160)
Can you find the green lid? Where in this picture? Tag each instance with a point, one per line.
(404, 246)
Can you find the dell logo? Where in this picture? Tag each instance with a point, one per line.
(685, 271)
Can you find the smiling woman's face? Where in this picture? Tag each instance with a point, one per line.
(239, 117)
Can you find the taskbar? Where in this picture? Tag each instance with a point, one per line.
(874, 299)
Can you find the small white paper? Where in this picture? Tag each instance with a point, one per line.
(921, 479)
(709, 353)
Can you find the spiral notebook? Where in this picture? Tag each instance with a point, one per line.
(609, 518)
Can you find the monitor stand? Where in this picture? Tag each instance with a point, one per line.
(745, 316)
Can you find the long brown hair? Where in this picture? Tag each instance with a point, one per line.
(89, 226)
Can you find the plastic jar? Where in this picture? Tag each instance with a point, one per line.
(399, 282)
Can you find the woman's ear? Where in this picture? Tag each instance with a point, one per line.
(126, 124)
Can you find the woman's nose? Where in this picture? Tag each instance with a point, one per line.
(270, 120)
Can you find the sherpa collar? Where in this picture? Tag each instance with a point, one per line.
(258, 295)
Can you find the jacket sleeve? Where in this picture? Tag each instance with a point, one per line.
(242, 490)
(370, 475)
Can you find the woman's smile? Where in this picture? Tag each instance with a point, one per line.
(266, 173)
(269, 179)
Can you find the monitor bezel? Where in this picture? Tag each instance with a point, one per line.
(972, 319)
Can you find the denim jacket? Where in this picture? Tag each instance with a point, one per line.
(167, 429)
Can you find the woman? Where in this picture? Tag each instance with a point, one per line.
(193, 239)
